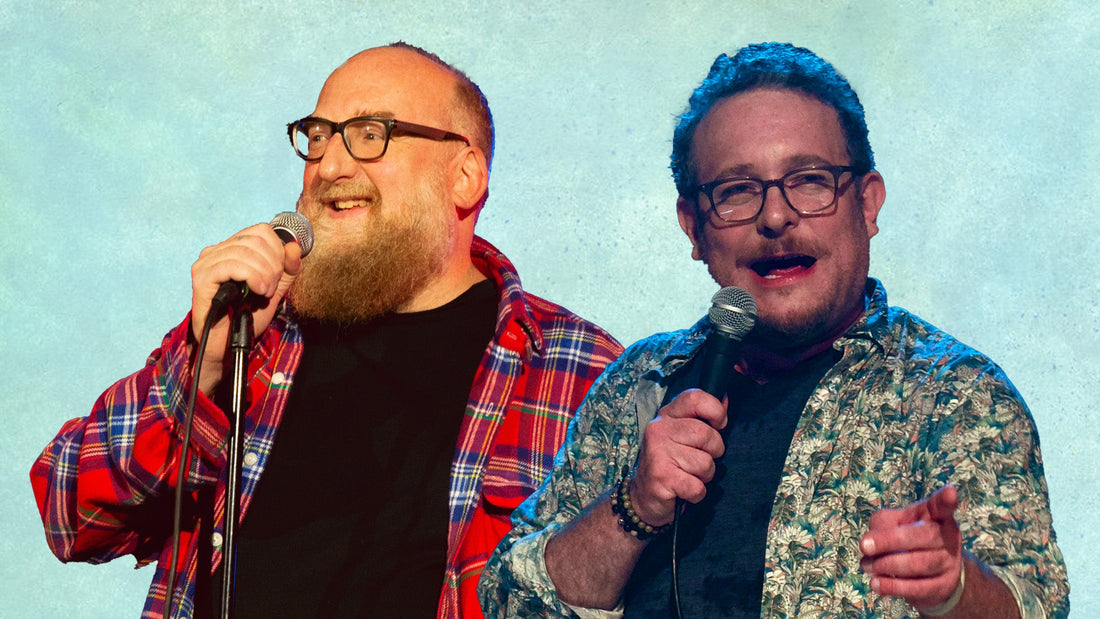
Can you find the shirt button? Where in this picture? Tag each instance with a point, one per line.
(250, 459)
(278, 378)
(216, 540)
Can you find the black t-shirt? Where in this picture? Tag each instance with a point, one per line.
(350, 515)
(722, 539)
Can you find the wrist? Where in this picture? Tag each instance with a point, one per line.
(950, 603)
(623, 507)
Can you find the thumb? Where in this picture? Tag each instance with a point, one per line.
(943, 503)
(292, 259)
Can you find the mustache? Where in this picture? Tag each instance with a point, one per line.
(328, 191)
(786, 247)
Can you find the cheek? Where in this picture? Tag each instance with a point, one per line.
(309, 175)
(724, 247)
(852, 260)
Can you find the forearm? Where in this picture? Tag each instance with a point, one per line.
(591, 559)
(561, 536)
(553, 542)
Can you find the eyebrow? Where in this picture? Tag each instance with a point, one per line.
(376, 113)
(791, 163)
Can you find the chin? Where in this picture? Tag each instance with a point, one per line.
(786, 334)
(788, 318)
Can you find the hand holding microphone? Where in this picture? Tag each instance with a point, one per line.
(681, 444)
(258, 263)
(289, 227)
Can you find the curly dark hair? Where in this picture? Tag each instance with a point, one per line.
(771, 65)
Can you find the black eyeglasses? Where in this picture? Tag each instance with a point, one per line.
(365, 137)
(806, 190)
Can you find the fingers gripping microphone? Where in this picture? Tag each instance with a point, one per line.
(290, 227)
(732, 315)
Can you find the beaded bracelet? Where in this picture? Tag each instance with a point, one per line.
(629, 520)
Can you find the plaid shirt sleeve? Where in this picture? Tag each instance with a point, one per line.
(100, 479)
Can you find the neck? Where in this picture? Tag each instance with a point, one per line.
(765, 359)
(763, 363)
(452, 282)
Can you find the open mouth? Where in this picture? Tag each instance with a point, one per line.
(782, 265)
(345, 205)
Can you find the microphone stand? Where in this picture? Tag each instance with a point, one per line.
(240, 343)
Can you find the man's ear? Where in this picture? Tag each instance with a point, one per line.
(469, 180)
(688, 216)
(872, 194)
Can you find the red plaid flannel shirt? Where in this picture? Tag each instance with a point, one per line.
(105, 483)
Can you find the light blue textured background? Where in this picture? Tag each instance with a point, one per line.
(137, 136)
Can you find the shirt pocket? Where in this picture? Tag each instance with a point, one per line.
(521, 457)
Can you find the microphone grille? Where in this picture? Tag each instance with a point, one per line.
(733, 312)
(297, 226)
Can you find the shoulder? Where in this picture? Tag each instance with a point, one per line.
(549, 326)
(942, 380)
(903, 336)
(557, 321)
(932, 350)
(652, 358)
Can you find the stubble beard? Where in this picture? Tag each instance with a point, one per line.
(804, 327)
(378, 268)
(817, 321)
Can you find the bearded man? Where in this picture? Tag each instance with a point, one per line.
(405, 392)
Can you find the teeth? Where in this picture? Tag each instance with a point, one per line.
(343, 205)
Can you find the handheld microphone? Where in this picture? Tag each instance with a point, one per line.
(732, 315)
(289, 226)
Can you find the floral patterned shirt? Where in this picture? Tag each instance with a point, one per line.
(906, 410)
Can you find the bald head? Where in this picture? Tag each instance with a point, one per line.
(447, 97)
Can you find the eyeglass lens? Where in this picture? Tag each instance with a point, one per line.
(364, 139)
(807, 191)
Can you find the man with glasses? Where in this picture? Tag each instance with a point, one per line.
(862, 464)
(404, 398)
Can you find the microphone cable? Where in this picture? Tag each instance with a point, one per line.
(181, 477)
(676, 560)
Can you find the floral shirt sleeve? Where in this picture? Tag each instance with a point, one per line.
(603, 437)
